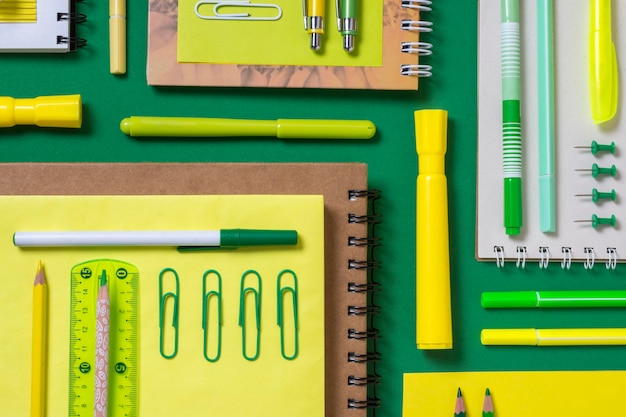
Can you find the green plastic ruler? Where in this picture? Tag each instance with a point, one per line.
(123, 281)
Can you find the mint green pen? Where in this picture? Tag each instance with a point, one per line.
(347, 22)
(545, 78)
(138, 126)
(511, 115)
(553, 299)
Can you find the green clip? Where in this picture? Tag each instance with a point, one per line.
(163, 299)
(280, 294)
(206, 299)
(243, 291)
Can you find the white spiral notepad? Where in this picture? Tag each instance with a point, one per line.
(573, 241)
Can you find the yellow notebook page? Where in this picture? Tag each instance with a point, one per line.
(186, 385)
(275, 42)
(520, 393)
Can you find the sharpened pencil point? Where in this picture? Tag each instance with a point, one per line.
(488, 404)
(459, 409)
(40, 277)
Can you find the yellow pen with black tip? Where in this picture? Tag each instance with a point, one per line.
(314, 12)
(433, 304)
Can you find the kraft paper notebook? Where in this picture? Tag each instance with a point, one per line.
(348, 257)
(388, 58)
(574, 126)
(39, 26)
(520, 393)
(250, 365)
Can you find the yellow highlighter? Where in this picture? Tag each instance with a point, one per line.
(434, 315)
(554, 337)
(602, 63)
(45, 111)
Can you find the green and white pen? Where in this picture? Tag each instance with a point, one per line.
(511, 116)
(545, 78)
(347, 22)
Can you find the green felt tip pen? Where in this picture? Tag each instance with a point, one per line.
(553, 299)
(511, 116)
(138, 126)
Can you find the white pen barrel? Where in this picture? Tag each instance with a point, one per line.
(118, 238)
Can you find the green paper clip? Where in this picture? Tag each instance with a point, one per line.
(163, 301)
(256, 292)
(280, 295)
(206, 299)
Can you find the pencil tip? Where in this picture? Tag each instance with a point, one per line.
(40, 277)
(458, 393)
(487, 392)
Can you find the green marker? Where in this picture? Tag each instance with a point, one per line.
(553, 299)
(347, 22)
(511, 116)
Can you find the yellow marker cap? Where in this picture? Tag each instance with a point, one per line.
(603, 78)
(44, 111)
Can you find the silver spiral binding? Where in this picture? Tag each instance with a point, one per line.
(566, 257)
(420, 48)
(566, 263)
(370, 309)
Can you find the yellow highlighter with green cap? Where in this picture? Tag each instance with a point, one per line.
(602, 63)
(433, 309)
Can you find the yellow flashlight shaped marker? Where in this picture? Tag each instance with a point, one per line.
(45, 111)
(434, 315)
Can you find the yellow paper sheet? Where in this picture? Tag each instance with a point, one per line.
(521, 393)
(187, 385)
(279, 42)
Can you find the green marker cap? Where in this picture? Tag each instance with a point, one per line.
(234, 238)
(512, 299)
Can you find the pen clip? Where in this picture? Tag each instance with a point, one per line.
(164, 298)
(206, 300)
(203, 248)
(256, 293)
(281, 292)
(305, 15)
(217, 15)
(338, 14)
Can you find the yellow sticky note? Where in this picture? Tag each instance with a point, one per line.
(274, 42)
(187, 384)
(515, 393)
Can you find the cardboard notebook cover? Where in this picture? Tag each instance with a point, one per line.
(333, 181)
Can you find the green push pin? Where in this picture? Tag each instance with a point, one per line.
(598, 195)
(596, 147)
(596, 170)
(597, 221)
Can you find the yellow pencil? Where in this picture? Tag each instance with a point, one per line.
(40, 311)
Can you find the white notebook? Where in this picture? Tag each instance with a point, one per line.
(53, 30)
(574, 127)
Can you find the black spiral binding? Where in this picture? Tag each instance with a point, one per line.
(74, 18)
(420, 48)
(371, 309)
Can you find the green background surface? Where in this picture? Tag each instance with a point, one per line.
(392, 166)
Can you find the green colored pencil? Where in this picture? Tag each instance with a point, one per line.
(488, 405)
(459, 409)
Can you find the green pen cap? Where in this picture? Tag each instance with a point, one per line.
(512, 205)
(512, 299)
(234, 238)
